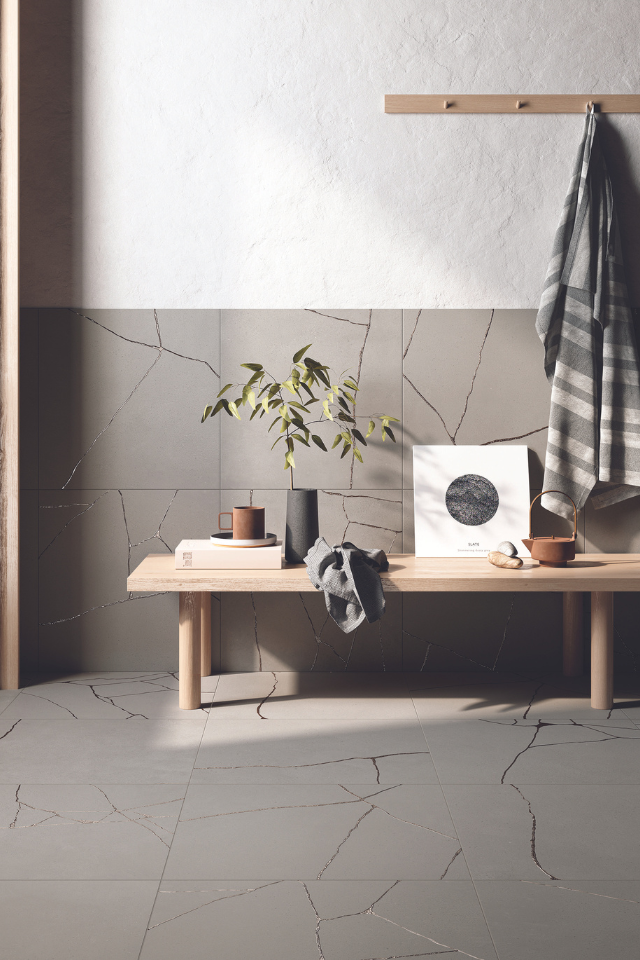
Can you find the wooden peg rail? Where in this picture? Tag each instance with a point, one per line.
(510, 103)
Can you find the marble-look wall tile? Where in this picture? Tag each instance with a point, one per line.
(473, 376)
(121, 396)
(362, 343)
(89, 541)
(116, 465)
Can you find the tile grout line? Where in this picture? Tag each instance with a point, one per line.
(455, 827)
(153, 905)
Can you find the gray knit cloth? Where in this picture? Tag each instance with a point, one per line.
(350, 579)
(591, 359)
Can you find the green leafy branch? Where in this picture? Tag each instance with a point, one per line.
(308, 383)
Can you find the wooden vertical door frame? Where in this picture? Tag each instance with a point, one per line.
(9, 346)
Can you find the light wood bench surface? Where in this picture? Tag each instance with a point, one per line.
(600, 574)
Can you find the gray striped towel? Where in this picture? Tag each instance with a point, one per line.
(591, 357)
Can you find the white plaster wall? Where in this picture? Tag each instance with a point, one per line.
(235, 153)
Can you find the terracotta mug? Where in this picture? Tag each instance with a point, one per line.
(247, 523)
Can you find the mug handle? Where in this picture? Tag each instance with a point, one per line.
(226, 513)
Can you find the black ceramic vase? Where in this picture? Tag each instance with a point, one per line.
(302, 524)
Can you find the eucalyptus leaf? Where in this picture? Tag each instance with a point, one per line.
(390, 432)
(252, 366)
(234, 410)
(207, 410)
(358, 436)
(357, 455)
(372, 426)
(224, 389)
(345, 450)
(300, 353)
(318, 441)
(336, 441)
(325, 407)
(289, 461)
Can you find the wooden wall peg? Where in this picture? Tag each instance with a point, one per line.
(510, 103)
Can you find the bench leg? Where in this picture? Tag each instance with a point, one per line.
(205, 635)
(572, 643)
(601, 650)
(190, 613)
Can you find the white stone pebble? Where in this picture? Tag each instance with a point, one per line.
(508, 549)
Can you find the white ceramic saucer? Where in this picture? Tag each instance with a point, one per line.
(226, 540)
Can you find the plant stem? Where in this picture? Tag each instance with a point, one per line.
(290, 478)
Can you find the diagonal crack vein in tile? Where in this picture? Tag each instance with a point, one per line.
(318, 636)
(7, 732)
(453, 436)
(534, 828)
(320, 763)
(87, 507)
(231, 896)
(65, 818)
(159, 349)
(264, 699)
(446, 871)
(423, 937)
(589, 893)
(100, 606)
(255, 636)
(410, 823)
(342, 842)
(415, 327)
(473, 379)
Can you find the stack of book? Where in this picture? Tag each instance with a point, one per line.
(205, 555)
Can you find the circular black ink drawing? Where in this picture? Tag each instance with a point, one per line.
(472, 500)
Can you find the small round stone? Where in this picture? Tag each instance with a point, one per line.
(508, 549)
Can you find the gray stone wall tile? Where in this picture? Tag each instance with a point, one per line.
(360, 342)
(121, 398)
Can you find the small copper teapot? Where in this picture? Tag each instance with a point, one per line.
(552, 551)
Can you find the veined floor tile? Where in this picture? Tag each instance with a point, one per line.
(108, 696)
(469, 696)
(312, 696)
(298, 920)
(73, 919)
(492, 696)
(543, 831)
(313, 751)
(6, 697)
(90, 831)
(318, 831)
(554, 921)
(529, 751)
(98, 751)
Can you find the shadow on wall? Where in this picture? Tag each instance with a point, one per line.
(50, 143)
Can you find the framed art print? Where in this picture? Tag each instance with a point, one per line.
(468, 499)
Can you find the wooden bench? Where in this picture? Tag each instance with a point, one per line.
(599, 574)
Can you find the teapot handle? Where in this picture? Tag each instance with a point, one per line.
(575, 512)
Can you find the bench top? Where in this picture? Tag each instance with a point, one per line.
(407, 574)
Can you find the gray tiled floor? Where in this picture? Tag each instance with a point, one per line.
(327, 817)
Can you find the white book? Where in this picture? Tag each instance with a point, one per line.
(204, 555)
